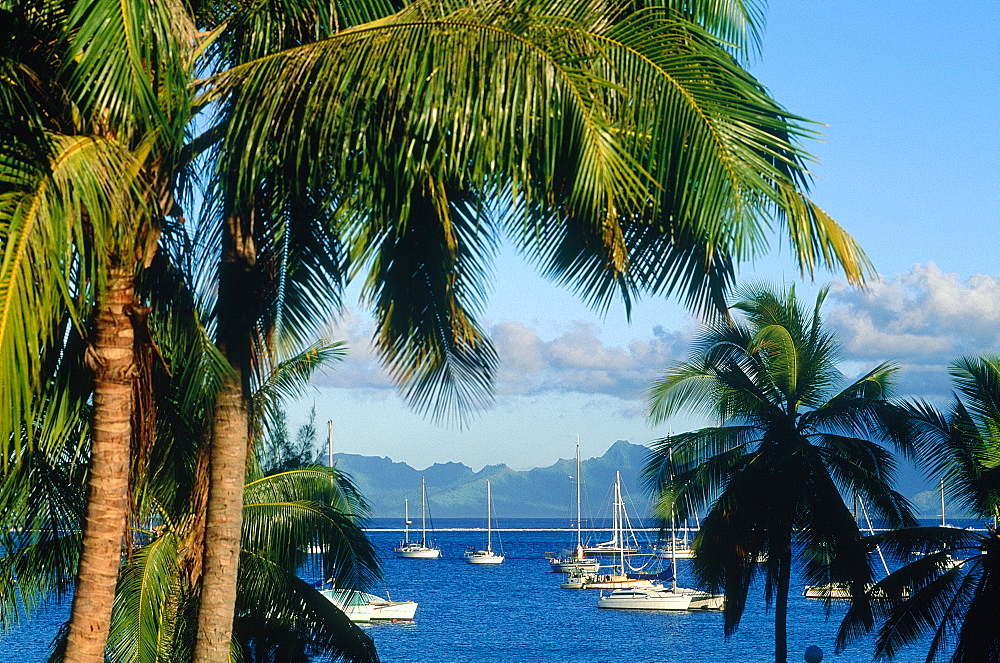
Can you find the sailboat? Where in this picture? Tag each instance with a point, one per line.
(364, 607)
(617, 578)
(620, 544)
(486, 556)
(838, 590)
(413, 550)
(654, 596)
(575, 561)
(671, 549)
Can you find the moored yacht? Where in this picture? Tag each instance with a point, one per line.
(657, 597)
(486, 556)
(411, 549)
(351, 603)
(575, 561)
(365, 607)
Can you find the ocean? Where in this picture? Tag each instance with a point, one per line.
(517, 613)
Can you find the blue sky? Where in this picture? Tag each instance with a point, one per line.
(906, 94)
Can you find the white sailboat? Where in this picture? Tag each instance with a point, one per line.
(386, 608)
(617, 578)
(350, 603)
(575, 562)
(486, 556)
(365, 607)
(674, 549)
(413, 550)
(839, 590)
(654, 596)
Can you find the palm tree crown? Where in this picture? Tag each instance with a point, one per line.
(788, 447)
(954, 602)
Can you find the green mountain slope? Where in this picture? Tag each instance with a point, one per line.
(455, 491)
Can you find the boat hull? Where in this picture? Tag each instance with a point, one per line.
(483, 557)
(644, 599)
(598, 551)
(614, 581)
(832, 591)
(351, 604)
(575, 565)
(417, 552)
(841, 591)
(393, 610)
(680, 553)
(655, 598)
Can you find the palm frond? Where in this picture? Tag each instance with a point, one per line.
(144, 620)
(131, 66)
(286, 514)
(58, 225)
(280, 618)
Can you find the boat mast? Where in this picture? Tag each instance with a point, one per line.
(406, 521)
(579, 534)
(423, 512)
(943, 523)
(489, 518)
(673, 533)
(329, 439)
(619, 504)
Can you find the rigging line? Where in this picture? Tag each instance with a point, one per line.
(871, 530)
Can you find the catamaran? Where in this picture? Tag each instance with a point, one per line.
(486, 556)
(411, 549)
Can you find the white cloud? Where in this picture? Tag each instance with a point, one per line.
(361, 368)
(575, 361)
(923, 320)
(578, 360)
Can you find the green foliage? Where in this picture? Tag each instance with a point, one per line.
(280, 452)
(791, 442)
(620, 146)
(952, 603)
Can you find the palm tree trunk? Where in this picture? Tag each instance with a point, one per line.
(227, 473)
(228, 453)
(111, 358)
(781, 607)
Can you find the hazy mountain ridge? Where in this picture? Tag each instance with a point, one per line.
(454, 490)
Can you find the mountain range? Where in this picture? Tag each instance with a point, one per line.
(454, 490)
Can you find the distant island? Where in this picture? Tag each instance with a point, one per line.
(455, 491)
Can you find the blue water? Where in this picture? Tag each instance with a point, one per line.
(516, 612)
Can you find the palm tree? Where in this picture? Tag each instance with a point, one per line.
(953, 603)
(594, 125)
(279, 617)
(788, 448)
(80, 199)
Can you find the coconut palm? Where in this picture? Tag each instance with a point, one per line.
(80, 199)
(953, 604)
(790, 445)
(594, 126)
(279, 617)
